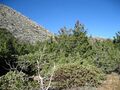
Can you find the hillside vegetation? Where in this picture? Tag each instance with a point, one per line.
(67, 60)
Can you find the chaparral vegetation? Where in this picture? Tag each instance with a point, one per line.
(67, 60)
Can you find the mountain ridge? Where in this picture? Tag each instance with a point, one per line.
(21, 26)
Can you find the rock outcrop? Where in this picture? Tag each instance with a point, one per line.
(20, 26)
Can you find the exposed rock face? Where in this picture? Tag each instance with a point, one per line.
(20, 26)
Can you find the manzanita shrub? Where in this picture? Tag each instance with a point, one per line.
(75, 75)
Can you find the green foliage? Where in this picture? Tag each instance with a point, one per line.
(14, 80)
(116, 40)
(76, 75)
(10, 48)
(73, 46)
(28, 62)
(6, 43)
(106, 56)
(10, 45)
(79, 60)
(72, 41)
(7, 49)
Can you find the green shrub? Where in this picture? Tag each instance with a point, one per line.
(16, 81)
(10, 45)
(71, 41)
(10, 48)
(76, 75)
(116, 40)
(28, 62)
(106, 56)
(78, 62)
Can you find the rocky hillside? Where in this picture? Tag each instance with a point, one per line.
(20, 26)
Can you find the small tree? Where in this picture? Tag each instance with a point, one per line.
(116, 40)
(74, 40)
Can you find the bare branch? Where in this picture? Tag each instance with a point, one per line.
(40, 77)
(51, 77)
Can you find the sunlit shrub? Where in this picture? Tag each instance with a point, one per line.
(76, 75)
(14, 80)
(106, 56)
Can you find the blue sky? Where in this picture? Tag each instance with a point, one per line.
(100, 17)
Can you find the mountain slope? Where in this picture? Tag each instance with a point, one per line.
(20, 26)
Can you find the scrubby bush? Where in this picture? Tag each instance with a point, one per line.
(74, 40)
(14, 80)
(7, 50)
(10, 48)
(28, 62)
(106, 56)
(72, 46)
(75, 75)
(79, 60)
(10, 45)
(116, 40)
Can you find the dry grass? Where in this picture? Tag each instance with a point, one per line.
(112, 82)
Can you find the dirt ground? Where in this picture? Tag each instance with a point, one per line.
(112, 82)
